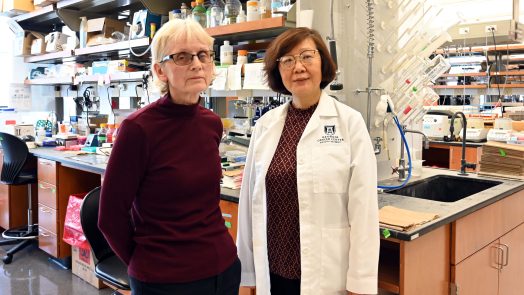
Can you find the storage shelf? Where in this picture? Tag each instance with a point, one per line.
(484, 74)
(50, 81)
(114, 78)
(40, 20)
(109, 48)
(54, 57)
(459, 86)
(253, 30)
(480, 49)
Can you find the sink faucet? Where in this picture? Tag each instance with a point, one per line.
(402, 162)
(463, 163)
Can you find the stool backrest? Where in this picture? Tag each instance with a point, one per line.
(15, 156)
(89, 221)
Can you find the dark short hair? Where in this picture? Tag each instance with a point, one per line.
(284, 43)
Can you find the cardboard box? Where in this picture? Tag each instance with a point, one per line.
(27, 42)
(14, 7)
(105, 26)
(99, 67)
(37, 43)
(83, 266)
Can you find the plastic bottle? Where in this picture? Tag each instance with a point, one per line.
(199, 13)
(110, 131)
(102, 134)
(231, 10)
(226, 54)
(177, 14)
(241, 17)
(115, 132)
(184, 10)
(252, 10)
(216, 14)
(242, 57)
(264, 8)
(275, 5)
(83, 31)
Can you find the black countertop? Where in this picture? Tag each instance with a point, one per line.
(447, 211)
(97, 164)
(459, 143)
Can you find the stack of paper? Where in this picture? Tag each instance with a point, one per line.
(232, 178)
(501, 159)
(402, 219)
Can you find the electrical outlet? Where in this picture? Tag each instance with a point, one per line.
(491, 28)
(464, 31)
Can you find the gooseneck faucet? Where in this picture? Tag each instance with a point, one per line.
(463, 163)
(402, 162)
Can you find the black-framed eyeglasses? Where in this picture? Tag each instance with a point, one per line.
(186, 58)
(306, 57)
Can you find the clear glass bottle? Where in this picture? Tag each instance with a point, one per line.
(216, 14)
(199, 13)
(231, 10)
(184, 11)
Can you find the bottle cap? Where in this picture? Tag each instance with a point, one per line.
(242, 52)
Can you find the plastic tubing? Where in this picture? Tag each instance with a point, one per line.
(405, 142)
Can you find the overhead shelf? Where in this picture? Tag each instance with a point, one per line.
(54, 57)
(113, 78)
(111, 48)
(480, 49)
(40, 20)
(252, 30)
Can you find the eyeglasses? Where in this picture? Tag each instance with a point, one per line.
(186, 58)
(306, 57)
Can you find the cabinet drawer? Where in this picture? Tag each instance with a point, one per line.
(47, 218)
(47, 194)
(47, 171)
(47, 241)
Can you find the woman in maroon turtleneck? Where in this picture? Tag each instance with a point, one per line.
(159, 205)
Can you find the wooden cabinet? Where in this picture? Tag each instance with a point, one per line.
(230, 214)
(488, 249)
(55, 184)
(472, 156)
(449, 156)
(420, 266)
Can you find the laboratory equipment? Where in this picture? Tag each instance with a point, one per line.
(501, 130)
(436, 125)
(476, 131)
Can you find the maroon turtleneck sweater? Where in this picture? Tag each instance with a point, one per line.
(159, 202)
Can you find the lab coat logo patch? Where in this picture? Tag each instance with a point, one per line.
(329, 135)
(329, 129)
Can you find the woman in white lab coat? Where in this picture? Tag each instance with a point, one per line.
(308, 212)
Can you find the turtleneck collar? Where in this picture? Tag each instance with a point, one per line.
(309, 111)
(167, 104)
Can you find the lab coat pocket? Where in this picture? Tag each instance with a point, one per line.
(334, 260)
(331, 166)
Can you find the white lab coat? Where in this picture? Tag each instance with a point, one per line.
(337, 196)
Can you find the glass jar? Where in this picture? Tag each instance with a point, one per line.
(231, 10)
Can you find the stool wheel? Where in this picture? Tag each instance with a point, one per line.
(7, 259)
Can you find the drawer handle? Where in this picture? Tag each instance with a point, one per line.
(506, 257)
(499, 256)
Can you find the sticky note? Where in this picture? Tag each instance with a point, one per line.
(386, 233)
(502, 152)
(228, 224)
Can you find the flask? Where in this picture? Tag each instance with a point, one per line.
(102, 134)
(184, 10)
(231, 10)
(199, 13)
(216, 14)
(252, 10)
(226, 54)
(241, 17)
(83, 31)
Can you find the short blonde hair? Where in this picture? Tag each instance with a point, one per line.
(177, 30)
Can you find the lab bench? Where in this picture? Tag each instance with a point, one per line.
(453, 251)
(61, 174)
(447, 155)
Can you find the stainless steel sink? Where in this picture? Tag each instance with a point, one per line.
(444, 188)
